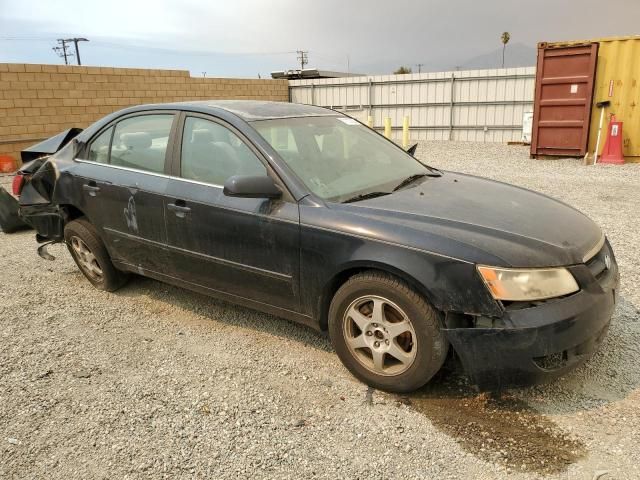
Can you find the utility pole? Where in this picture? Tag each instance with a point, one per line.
(420, 65)
(64, 45)
(75, 43)
(62, 50)
(303, 58)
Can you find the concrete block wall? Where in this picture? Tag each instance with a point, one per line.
(39, 101)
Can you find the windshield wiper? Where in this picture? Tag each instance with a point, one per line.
(365, 196)
(415, 177)
(409, 180)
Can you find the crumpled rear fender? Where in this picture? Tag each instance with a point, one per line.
(50, 145)
(47, 220)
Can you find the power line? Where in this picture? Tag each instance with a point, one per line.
(420, 65)
(303, 58)
(175, 51)
(27, 39)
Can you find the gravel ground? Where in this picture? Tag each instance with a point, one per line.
(157, 382)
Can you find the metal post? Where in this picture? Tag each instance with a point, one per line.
(64, 51)
(313, 96)
(387, 127)
(451, 105)
(405, 132)
(75, 43)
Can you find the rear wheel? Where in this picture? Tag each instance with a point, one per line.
(91, 256)
(385, 333)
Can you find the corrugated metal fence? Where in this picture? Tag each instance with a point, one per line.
(473, 105)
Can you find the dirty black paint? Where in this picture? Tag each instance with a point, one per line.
(287, 256)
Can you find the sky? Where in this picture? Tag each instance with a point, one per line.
(247, 38)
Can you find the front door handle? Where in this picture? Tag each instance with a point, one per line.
(91, 188)
(179, 208)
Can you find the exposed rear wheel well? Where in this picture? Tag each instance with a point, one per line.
(338, 280)
(73, 213)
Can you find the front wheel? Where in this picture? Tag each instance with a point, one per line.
(91, 256)
(385, 333)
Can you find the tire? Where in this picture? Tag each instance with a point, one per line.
(91, 256)
(366, 316)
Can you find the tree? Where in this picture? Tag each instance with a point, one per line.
(505, 37)
(402, 70)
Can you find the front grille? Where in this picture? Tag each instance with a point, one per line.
(597, 264)
(558, 360)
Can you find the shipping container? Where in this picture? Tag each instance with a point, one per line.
(562, 103)
(617, 80)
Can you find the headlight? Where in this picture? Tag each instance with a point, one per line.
(516, 284)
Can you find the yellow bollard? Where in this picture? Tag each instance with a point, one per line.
(387, 127)
(405, 133)
(370, 121)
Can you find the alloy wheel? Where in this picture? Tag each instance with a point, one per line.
(86, 259)
(380, 335)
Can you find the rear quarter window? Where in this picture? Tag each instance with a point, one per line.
(99, 149)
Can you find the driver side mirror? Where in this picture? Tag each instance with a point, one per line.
(244, 186)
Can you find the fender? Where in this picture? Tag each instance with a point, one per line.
(450, 285)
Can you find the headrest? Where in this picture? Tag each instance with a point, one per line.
(202, 136)
(220, 134)
(136, 140)
(333, 143)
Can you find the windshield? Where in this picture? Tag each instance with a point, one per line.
(337, 157)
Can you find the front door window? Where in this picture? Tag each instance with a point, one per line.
(211, 153)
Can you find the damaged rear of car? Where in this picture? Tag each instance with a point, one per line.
(37, 185)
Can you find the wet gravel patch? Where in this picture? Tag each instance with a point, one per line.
(157, 382)
(499, 428)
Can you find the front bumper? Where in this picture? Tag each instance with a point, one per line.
(542, 342)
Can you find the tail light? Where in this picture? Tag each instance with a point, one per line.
(17, 184)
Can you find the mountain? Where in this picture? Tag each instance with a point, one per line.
(516, 55)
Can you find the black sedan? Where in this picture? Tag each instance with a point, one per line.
(305, 213)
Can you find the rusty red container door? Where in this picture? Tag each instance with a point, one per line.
(564, 89)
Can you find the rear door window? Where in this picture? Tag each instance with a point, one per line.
(141, 142)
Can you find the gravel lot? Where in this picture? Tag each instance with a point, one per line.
(157, 382)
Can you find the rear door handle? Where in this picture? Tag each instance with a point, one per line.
(91, 188)
(179, 208)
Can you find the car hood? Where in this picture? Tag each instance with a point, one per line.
(481, 220)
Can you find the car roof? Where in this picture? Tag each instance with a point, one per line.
(252, 110)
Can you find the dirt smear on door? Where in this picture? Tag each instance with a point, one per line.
(497, 428)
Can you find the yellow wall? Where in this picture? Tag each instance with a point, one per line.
(618, 61)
